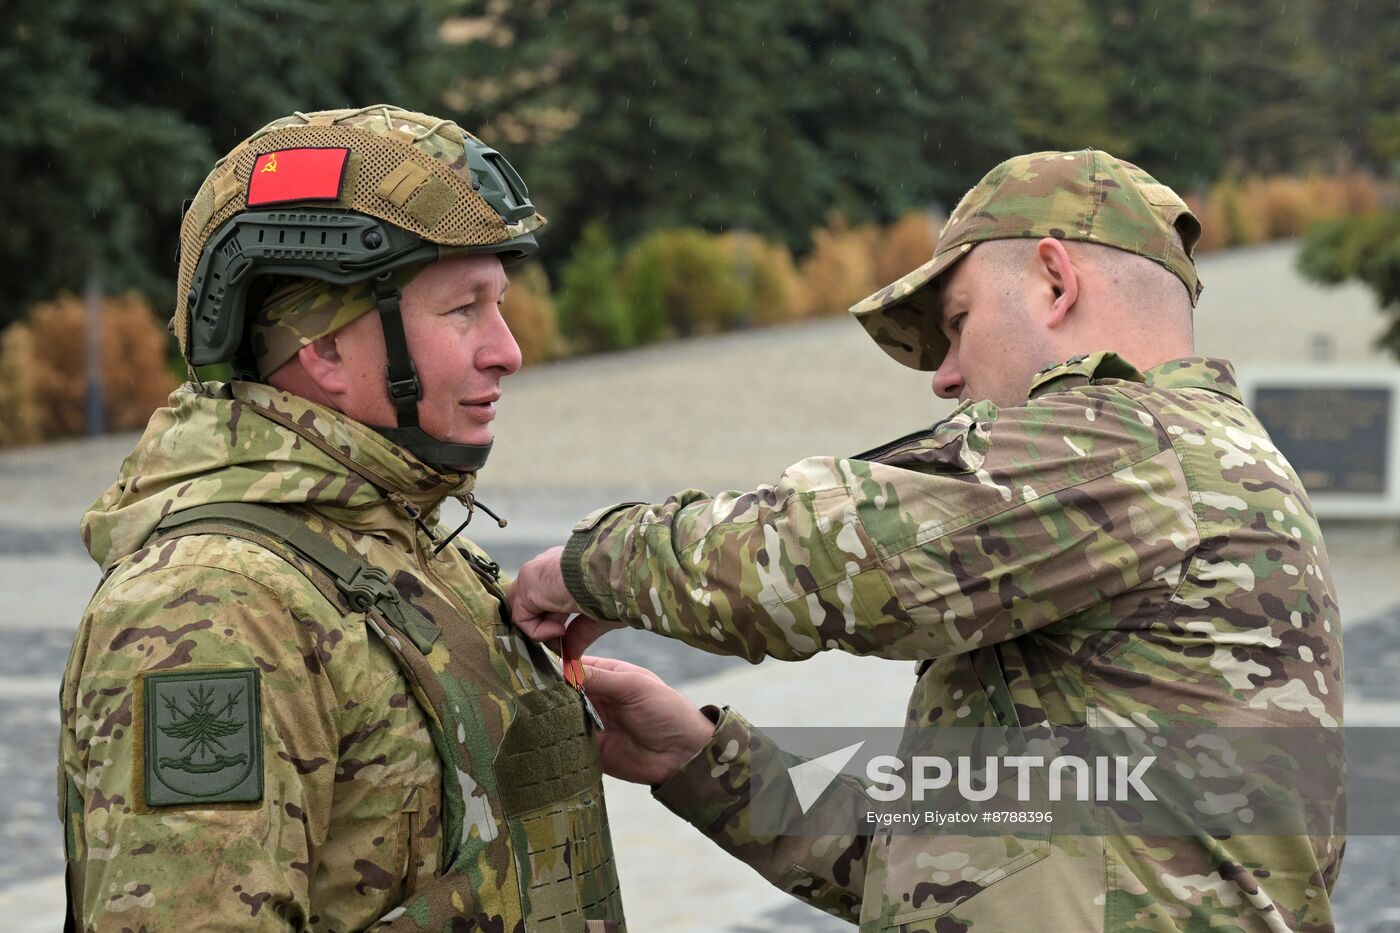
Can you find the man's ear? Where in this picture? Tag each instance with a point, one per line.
(1053, 265)
(323, 363)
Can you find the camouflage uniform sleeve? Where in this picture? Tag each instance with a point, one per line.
(243, 865)
(991, 524)
(713, 792)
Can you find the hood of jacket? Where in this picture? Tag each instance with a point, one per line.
(249, 442)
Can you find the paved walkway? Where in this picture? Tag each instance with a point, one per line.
(585, 433)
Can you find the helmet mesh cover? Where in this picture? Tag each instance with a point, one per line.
(467, 221)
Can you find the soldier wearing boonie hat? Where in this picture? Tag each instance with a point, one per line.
(1109, 539)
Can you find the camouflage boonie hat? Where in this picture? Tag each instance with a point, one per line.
(1087, 195)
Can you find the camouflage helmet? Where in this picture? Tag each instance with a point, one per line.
(344, 197)
(1087, 195)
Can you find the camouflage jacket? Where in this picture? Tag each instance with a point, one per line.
(348, 819)
(1124, 547)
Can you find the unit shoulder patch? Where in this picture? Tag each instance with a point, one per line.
(202, 732)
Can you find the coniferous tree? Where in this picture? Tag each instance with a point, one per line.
(119, 109)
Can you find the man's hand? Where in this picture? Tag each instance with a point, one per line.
(650, 731)
(540, 603)
(541, 606)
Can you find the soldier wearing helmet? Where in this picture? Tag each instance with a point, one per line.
(1100, 535)
(295, 701)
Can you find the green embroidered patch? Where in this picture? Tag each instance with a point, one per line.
(202, 737)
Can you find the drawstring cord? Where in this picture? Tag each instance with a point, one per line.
(413, 512)
(472, 505)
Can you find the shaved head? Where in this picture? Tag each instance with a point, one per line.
(1136, 284)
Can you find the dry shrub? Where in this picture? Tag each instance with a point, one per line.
(136, 379)
(682, 282)
(1243, 223)
(1327, 197)
(840, 269)
(135, 348)
(1350, 194)
(1283, 205)
(1289, 206)
(1258, 209)
(905, 245)
(19, 413)
(529, 310)
(1212, 224)
(60, 368)
(771, 276)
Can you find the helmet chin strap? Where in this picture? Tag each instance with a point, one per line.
(405, 391)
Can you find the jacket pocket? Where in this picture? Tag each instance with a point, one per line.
(420, 837)
(929, 871)
(928, 874)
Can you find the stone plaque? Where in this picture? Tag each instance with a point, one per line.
(1341, 432)
(1336, 437)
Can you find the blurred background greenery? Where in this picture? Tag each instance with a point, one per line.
(705, 166)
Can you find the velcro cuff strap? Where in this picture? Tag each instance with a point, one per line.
(571, 565)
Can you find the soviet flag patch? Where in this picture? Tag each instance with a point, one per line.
(202, 736)
(304, 174)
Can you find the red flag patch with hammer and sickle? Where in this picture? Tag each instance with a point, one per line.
(308, 174)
